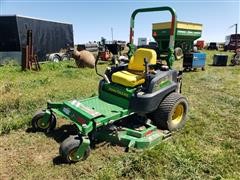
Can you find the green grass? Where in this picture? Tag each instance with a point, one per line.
(22, 93)
(207, 148)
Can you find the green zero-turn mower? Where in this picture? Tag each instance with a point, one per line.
(138, 105)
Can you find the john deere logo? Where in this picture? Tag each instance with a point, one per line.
(117, 91)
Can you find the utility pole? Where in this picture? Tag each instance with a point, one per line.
(236, 36)
(1, 4)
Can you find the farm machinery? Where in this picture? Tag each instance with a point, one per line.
(185, 34)
(139, 104)
(236, 58)
(110, 50)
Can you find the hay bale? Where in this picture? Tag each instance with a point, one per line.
(84, 59)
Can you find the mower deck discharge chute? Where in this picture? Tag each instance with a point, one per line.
(138, 105)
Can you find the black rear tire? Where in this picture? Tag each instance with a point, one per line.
(171, 114)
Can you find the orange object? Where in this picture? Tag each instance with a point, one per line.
(105, 55)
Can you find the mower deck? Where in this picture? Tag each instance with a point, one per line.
(86, 112)
(133, 133)
(137, 135)
(108, 111)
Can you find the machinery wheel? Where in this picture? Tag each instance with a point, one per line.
(178, 53)
(171, 113)
(235, 60)
(68, 149)
(39, 125)
(65, 57)
(56, 58)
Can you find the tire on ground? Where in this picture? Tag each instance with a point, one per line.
(171, 113)
(69, 146)
(65, 57)
(54, 57)
(36, 122)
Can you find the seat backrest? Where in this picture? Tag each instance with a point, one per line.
(136, 62)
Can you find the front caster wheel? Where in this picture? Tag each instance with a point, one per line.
(74, 149)
(43, 121)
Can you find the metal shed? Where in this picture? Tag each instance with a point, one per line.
(48, 36)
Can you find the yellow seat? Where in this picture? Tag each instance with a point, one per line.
(134, 76)
(128, 79)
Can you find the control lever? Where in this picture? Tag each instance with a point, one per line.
(146, 73)
(146, 66)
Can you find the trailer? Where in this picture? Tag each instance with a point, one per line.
(48, 37)
(186, 34)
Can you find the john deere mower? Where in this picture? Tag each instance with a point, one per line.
(139, 104)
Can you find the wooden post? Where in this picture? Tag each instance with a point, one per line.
(28, 56)
(24, 63)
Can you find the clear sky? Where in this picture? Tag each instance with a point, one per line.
(93, 19)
